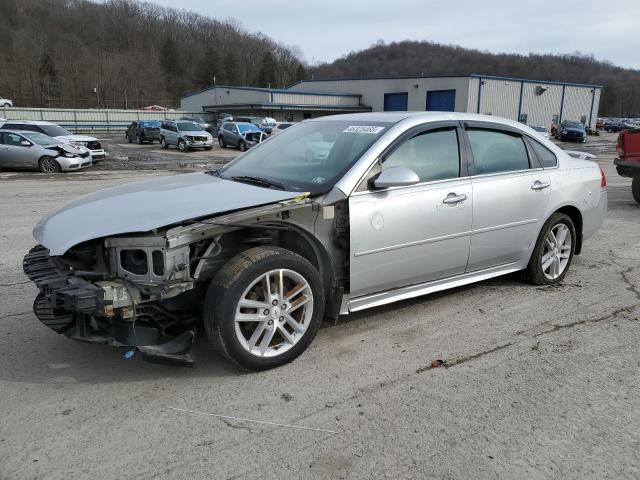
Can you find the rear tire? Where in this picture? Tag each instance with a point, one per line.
(275, 337)
(128, 138)
(49, 165)
(222, 143)
(139, 139)
(635, 188)
(550, 260)
(163, 143)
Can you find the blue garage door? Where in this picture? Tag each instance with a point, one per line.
(396, 102)
(441, 101)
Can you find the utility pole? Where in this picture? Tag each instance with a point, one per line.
(125, 100)
(95, 90)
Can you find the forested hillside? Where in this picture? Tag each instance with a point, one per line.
(621, 95)
(55, 52)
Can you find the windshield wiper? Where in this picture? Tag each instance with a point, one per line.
(262, 182)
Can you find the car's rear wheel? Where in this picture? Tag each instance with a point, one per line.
(553, 252)
(49, 165)
(242, 146)
(139, 139)
(163, 143)
(264, 307)
(221, 142)
(635, 188)
(128, 138)
(182, 146)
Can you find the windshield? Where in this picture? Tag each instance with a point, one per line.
(40, 138)
(308, 157)
(150, 124)
(573, 125)
(54, 130)
(188, 127)
(247, 127)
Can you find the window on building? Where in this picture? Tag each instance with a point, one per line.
(497, 151)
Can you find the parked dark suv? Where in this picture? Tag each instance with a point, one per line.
(143, 131)
(242, 135)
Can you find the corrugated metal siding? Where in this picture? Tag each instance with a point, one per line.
(577, 103)
(540, 109)
(90, 119)
(596, 106)
(500, 97)
(297, 98)
(472, 103)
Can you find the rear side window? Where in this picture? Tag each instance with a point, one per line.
(432, 155)
(20, 126)
(547, 157)
(495, 151)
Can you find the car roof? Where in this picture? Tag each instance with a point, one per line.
(27, 132)
(396, 117)
(32, 122)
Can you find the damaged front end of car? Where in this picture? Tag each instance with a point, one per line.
(144, 290)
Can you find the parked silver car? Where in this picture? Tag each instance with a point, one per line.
(37, 151)
(242, 135)
(262, 249)
(185, 135)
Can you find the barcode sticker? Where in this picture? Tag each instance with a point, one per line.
(363, 129)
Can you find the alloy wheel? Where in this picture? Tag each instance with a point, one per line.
(48, 165)
(273, 313)
(557, 251)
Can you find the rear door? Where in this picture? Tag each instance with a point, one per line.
(510, 195)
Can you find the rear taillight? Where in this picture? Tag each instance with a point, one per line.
(603, 179)
(620, 145)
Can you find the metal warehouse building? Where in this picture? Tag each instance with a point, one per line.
(531, 102)
(283, 105)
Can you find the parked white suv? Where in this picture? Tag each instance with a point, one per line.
(62, 134)
(5, 102)
(184, 134)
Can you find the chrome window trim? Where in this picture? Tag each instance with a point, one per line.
(421, 184)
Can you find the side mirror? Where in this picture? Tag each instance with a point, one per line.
(25, 143)
(396, 177)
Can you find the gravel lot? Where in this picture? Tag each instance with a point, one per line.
(544, 382)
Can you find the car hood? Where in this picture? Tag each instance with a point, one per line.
(199, 133)
(76, 138)
(143, 206)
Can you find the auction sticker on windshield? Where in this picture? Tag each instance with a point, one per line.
(363, 129)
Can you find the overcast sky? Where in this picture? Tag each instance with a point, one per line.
(327, 29)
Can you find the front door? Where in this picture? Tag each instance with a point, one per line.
(407, 235)
(14, 154)
(510, 197)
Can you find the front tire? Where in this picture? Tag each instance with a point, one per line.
(242, 146)
(182, 146)
(221, 142)
(139, 139)
(264, 307)
(553, 252)
(49, 165)
(635, 188)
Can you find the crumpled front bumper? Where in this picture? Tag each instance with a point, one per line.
(84, 311)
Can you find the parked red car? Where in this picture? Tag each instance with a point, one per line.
(628, 165)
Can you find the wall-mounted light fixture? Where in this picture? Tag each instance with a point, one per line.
(540, 90)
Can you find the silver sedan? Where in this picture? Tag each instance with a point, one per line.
(402, 205)
(37, 151)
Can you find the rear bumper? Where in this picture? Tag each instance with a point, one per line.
(627, 168)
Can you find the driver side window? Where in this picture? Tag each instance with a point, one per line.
(432, 155)
(12, 139)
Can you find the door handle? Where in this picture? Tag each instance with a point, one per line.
(538, 185)
(453, 199)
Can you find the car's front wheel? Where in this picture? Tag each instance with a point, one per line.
(182, 145)
(553, 252)
(264, 307)
(242, 146)
(49, 165)
(221, 142)
(139, 139)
